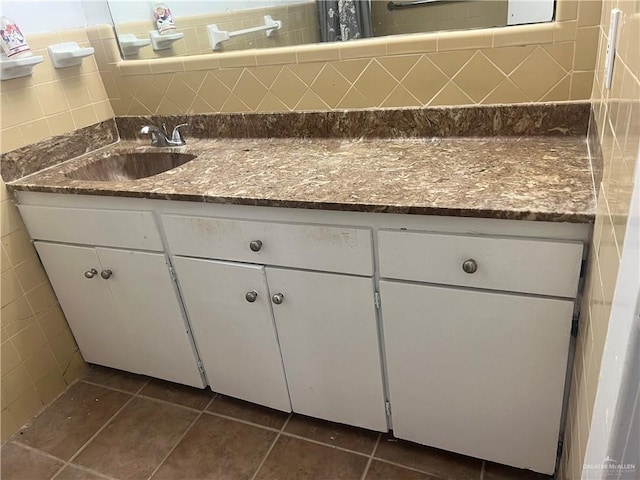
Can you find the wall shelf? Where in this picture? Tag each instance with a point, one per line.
(164, 41)
(131, 44)
(68, 54)
(18, 67)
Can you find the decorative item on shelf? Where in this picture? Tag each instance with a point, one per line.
(165, 40)
(131, 44)
(68, 54)
(14, 45)
(217, 36)
(18, 67)
(163, 18)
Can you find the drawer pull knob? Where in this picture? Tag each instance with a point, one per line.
(277, 298)
(91, 273)
(106, 274)
(255, 245)
(470, 266)
(251, 296)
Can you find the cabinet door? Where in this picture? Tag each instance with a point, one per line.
(329, 341)
(86, 303)
(477, 373)
(148, 304)
(236, 338)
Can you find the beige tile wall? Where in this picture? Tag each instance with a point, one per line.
(299, 26)
(617, 113)
(51, 101)
(531, 63)
(438, 16)
(39, 354)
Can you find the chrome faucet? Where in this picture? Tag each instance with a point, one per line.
(160, 137)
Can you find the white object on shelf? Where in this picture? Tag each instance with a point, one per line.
(163, 42)
(68, 54)
(17, 67)
(217, 36)
(131, 44)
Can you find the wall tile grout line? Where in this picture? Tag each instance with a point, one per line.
(275, 440)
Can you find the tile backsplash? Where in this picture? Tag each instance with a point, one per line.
(484, 66)
(616, 127)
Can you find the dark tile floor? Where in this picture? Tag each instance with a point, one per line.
(115, 425)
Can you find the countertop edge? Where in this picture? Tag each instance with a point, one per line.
(560, 217)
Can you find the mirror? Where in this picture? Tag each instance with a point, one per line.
(198, 27)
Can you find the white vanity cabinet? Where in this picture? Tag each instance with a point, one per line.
(325, 323)
(329, 340)
(451, 332)
(229, 309)
(121, 304)
(475, 370)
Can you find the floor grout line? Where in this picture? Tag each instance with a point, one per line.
(58, 472)
(271, 447)
(239, 420)
(318, 442)
(175, 446)
(65, 463)
(407, 467)
(375, 447)
(128, 392)
(104, 426)
(138, 394)
(280, 433)
(85, 469)
(142, 387)
(173, 404)
(286, 434)
(215, 395)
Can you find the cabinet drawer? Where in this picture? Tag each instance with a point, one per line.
(108, 228)
(543, 267)
(313, 247)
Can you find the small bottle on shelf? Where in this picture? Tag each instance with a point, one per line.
(163, 17)
(14, 45)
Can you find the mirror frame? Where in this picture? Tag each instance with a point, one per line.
(325, 51)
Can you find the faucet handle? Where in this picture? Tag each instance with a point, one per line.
(177, 134)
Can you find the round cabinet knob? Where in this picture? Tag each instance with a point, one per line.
(470, 266)
(106, 274)
(255, 245)
(91, 273)
(251, 296)
(277, 298)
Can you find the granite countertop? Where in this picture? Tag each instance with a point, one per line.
(529, 178)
